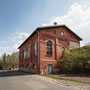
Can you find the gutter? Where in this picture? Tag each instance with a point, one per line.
(38, 50)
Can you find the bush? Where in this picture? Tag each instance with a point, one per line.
(1, 66)
(76, 60)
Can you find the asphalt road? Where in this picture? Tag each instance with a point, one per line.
(14, 80)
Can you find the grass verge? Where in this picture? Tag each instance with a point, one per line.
(65, 79)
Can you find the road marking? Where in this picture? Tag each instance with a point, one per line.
(35, 85)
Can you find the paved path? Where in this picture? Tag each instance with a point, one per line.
(14, 80)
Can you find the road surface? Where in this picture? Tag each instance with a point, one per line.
(15, 80)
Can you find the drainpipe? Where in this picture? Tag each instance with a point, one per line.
(38, 50)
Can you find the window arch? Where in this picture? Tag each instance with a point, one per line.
(49, 48)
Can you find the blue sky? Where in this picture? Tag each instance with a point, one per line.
(18, 18)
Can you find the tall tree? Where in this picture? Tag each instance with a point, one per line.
(13, 62)
(4, 62)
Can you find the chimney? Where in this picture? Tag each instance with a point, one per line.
(55, 23)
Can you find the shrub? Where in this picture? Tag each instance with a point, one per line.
(76, 60)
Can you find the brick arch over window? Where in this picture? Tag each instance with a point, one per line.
(49, 48)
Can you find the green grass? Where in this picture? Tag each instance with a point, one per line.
(65, 79)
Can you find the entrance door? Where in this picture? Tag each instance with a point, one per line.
(50, 68)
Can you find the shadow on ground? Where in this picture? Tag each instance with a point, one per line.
(13, 73)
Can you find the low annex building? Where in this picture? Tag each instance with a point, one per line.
(42, 50)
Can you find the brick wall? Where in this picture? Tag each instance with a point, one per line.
(28, 62)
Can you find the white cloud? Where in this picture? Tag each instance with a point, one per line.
(78, 19)
(22, 34)
(2, 49)
(14, 43)
(8, 50)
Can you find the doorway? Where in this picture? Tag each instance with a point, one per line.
(50, 69)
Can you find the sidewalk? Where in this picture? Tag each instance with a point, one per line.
(81, 78)
(79, 86)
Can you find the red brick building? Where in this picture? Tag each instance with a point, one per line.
(42, 50)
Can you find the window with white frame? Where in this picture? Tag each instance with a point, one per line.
(35, 48)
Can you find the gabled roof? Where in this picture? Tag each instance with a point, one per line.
(47, 27)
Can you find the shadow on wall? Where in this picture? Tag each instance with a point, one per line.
(13, 73)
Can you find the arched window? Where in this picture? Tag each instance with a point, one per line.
(35, 48)
(49, 48)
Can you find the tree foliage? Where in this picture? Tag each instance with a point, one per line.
(76, 60)
(13, 61)
(9, 61)
(4, 61)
